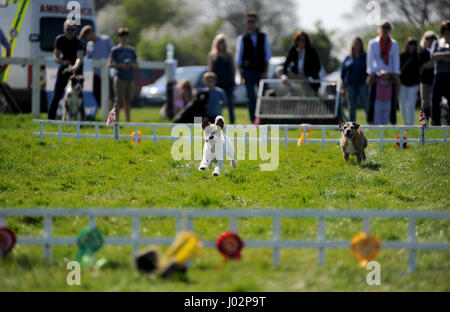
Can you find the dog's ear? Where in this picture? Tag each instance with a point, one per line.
(341, 125)
(356, 126)
(220, 123)
(205, 123)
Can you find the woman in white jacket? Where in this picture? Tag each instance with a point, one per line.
(383, 67)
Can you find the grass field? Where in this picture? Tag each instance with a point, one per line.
(111, 174)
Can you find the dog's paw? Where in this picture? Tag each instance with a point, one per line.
(216, 173)
(201, 168)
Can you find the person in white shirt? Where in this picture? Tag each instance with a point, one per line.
(383, 67)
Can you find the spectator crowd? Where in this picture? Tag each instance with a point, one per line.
(380, 80)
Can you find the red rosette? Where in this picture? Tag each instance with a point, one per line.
(230, 245)
(7, 241)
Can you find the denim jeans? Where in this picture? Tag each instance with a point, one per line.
(229, 90)
(355, 93)
(252, 78)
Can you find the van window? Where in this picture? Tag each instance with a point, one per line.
(51, 27)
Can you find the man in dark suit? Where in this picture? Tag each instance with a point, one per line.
(252, 58)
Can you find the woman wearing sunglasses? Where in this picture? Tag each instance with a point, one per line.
(302, 62)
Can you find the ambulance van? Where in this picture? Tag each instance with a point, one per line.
(31, 27)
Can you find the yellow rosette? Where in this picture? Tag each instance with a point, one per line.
(365, 246)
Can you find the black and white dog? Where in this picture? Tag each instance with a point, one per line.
(73, 100)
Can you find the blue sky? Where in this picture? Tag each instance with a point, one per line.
(332, 14)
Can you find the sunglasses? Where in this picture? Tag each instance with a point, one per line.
(430, 38)
(413, 43)
(70, 29)
(251, 21)
(302, 39)
(386, 27)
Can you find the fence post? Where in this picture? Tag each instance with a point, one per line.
(135, 234)
(190, 222)
(59, 132)
(92, 222)
(323, 138)
(105, 90)
(285, 136)
(411, 239)
(36, 87)
(381, 140)
(96, 132)
(422, 135)
(304, 135)
(116, 131)
(48, 220)
(401, 138)
(170, 73)
(179, 225)
(321, 234)
(276, 239)
(78, 131)
(366, 225)
(3, 221)
(136, 136)
(41, 130)
(233, 224)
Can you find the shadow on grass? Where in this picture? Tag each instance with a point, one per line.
(371, 166)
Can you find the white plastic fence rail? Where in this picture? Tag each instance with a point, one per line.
(185, 220)
(422, 139)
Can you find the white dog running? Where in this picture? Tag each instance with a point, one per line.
(215, 143)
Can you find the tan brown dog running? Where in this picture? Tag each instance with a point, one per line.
(353, 141)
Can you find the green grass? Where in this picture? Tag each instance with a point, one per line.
(111, 174)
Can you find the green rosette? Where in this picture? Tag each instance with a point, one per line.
(89, 241)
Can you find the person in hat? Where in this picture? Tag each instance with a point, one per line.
(123, 58)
